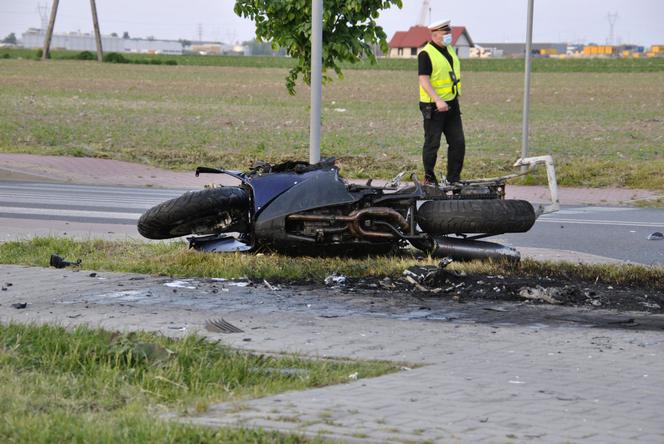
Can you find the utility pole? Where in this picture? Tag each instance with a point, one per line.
(95, 24)
(612, 23)
(46, 54)
(424, 9)
(316, 79)
(526, 88)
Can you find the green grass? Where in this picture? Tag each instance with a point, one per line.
(174, 259)
(600, 132)
(85, 385)
(470, 65)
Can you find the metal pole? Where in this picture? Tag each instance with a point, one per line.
(95, 23)
(46, 53)
(316, 79)
(526, 88)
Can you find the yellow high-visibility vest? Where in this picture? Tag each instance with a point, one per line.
(441, 80)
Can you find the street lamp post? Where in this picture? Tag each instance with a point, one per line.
(316, 79)
(526, 88)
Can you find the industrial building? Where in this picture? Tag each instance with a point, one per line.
(518, 50)
(77, 41)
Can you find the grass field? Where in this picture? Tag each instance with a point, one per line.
(95, 386)
(603, 128)
(174, 259)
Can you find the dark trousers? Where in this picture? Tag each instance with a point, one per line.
(435, 125)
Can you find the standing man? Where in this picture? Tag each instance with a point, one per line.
(440, 85)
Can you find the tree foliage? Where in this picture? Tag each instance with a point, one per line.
(11, 39)
(349, 31)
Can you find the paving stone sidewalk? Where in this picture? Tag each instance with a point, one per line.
(496, 373)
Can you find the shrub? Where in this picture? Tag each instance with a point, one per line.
(85, 55)
(170, 62)
(40, 53)
(115, 57)
(6, 56)
(154, 62)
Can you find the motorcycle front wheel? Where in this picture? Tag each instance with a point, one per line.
(209, 211)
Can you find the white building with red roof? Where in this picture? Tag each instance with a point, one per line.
(408, 44)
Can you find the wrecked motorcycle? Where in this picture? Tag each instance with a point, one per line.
(299, 208)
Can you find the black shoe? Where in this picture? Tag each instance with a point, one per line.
(430, 181)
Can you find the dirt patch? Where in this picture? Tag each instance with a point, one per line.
(434, 282)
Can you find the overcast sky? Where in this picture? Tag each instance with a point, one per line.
(575, 21)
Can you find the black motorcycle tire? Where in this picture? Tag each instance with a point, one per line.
(486, 216)
(195, 210)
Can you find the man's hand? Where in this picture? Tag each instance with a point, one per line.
(442, 106)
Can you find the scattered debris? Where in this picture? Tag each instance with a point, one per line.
(387, 283)
(540, 293)
(353, 376)
(180, 284)
(340, 110)
(500, 309)
(221, 326)
(93, 275)
(657, 235)
(444, 262)
(19, 305)
(58, 262)
(240, 284)
(417, 285)
(651, 305)
(270, 286)
(335, 279)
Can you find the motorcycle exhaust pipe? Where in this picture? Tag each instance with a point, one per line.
(468, 250)
(356, 218)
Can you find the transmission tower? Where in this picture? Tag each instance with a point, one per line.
(425, 12)
(199, 29)
(42, 9)
(612, 17)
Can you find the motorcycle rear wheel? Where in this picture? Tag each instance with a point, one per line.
(209, 211)
(486, 216)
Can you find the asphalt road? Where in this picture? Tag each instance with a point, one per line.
(615, 232)
(28, 209)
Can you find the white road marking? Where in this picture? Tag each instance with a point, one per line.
(70, 213)
(620, 223)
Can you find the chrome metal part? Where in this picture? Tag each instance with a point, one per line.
(531, 162)
(467, 250)
(356, 220)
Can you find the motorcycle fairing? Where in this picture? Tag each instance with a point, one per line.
(269, 186)
(315, 189)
